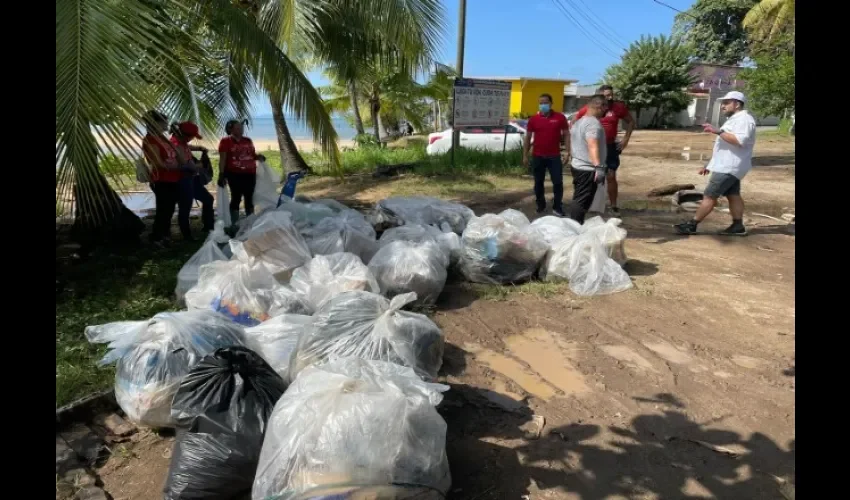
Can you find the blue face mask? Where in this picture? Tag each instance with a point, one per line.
(544, 108)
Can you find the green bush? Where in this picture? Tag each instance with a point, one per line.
(365, 140)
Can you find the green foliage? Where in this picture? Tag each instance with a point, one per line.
(653, 73)
(519, 116)
(365, 140)
(771, 25)
(713, 30)
(770, 86)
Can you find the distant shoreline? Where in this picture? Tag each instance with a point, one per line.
(303, 145)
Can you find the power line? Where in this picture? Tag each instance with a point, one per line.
(659, 2)
(581, 28)
(602, 26)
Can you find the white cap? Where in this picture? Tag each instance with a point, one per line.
(738, 96)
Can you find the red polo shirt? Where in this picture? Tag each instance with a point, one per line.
(616, 111)
(241, 156)
(548, 133)
(166, 154)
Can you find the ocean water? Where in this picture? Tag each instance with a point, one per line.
(262, 127)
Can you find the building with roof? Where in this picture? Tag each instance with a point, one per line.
(526, 90)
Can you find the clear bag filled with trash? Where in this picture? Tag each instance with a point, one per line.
(267, 189)
(326, 276)
(370, 326)
(221, 411)
(244, 292)
(555, 229)
(154, 355)
(402, 267)
(449, 241)
(515, 217)
(305, 214)
(399, 211)
(355, 428)
(498, 252)
(610, 234)
(277, 338)
(347, 231)
(273, 241)
(188, 275)
(583, 261)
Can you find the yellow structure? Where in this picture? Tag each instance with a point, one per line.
(526, 90)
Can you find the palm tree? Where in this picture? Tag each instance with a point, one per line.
(769, 20)
(115, 59)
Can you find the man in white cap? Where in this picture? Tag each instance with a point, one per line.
(731, 160)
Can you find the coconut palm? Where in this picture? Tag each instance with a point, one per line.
(115, 59)
(771, 19)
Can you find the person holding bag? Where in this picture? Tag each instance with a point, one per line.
(238, 167)
(181, 134)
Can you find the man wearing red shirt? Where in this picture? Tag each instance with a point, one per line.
(549, 129)
(617, 110)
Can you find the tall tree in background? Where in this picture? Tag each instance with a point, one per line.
(771, 25)
(713, 30)
(770, 86)
(653, 73)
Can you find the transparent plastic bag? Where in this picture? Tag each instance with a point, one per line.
(154, 355)
(218, 235)
(402, 267)
(600, 199)
(399, 211)
(188, 275)
(273, 241)
(498, 252)
(583, 261)
(239, 291)
(222, 208)
(277, 338)
(305, 214)
(326, 276)
(555, 229)
(353, 425)
(347, 231)
(515, 217)
(610, 234)
(368, 325)
(449, 242)
(266, 192)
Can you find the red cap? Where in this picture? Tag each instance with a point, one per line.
(189, 130)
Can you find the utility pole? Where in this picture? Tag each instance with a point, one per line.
(461, 36)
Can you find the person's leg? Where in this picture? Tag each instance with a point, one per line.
(736, 209)
(556, 174)
(202, 195)
(248, 192)
(718, 185)
(538, 169)
(166, 199)
(612, 161)
(584, 189)
(186, 196)
(705, 207)
(235, 183)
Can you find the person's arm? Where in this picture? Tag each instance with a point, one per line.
(526, 144)
(630, 127)
(737, 135)
(565, 132)
(593, 145)
(581, 113)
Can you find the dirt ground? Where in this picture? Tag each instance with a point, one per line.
(682, 387)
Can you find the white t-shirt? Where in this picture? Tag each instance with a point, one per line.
(731, 159)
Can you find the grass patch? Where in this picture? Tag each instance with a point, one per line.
(109, 287)
(537, 289)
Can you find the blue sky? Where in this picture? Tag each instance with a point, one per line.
(535, 38)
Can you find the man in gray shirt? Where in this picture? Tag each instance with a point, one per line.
(588, 150)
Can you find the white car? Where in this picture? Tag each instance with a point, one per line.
(486, 138)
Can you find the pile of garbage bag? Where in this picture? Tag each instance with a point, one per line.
(153, 357)
(501, 249)
(355, 425)
(554, 229)
(369, 326)
(221, 410)
(399, 211)
(583, 260)
(277, 338)
(273, 241)
(306, 214)
(266, 190)
(612, 236)
(326, 276)
(191, 270)
(448, 241)
(347, 231)
(402, 267)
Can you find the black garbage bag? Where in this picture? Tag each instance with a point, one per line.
(221, 410)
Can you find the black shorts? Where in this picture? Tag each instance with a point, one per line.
(612, 157)
(720, 184)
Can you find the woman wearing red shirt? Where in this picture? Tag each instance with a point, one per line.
(238, 167)
(164, 161)
(191, 187)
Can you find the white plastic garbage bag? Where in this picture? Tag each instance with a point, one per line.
(305, 215)
(355, 427)
(154, 355)
(368, 325)
(498, 252)
(402, 267)
(326, 276)
(554, 229)
(267, 188)
(428, 211)
(188, 275)
(348, 231)
(449, 241)
(273, 241)
(222, 208)
(583, 261)
(275, 340)
(600, 199)
(218, 235)
(515, 217)
(610, 234)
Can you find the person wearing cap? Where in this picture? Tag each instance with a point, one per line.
(191, 186)
(164, 160)
(238, 167)
(731, 160)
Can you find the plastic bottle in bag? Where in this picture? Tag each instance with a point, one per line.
(498, 251)
(355, 428)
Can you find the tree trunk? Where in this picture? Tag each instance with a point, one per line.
(290, 158)
(106, 219)
(654, 123)
(355, 108)
(374, 113)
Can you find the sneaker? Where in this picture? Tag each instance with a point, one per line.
(541, 210)
(734, 230)
(559, 213)
(615, 211)
(686, 228)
